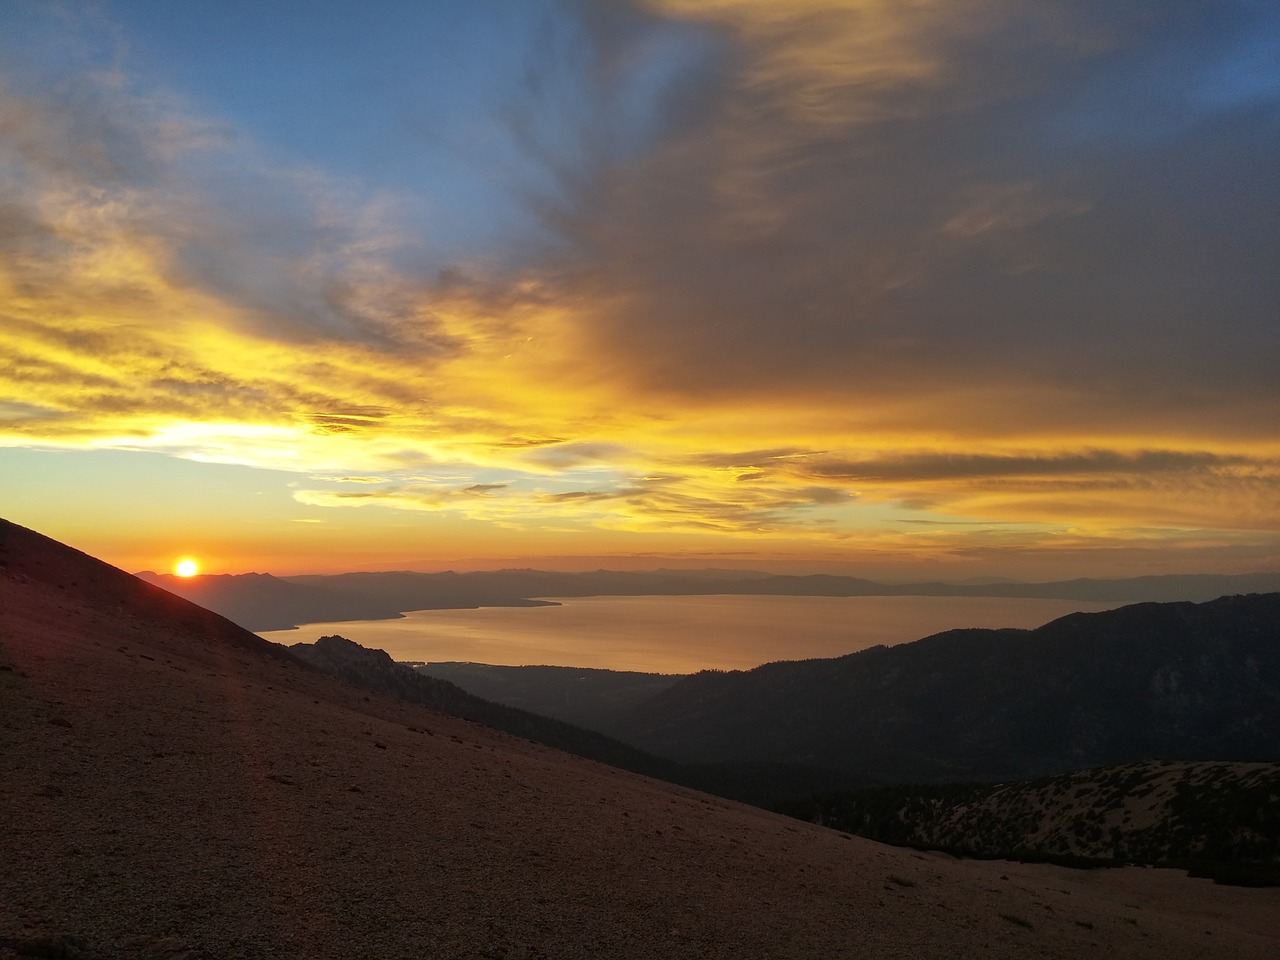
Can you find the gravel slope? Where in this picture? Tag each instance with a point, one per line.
(170, 788)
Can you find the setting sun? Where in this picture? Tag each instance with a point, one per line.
(186, 567)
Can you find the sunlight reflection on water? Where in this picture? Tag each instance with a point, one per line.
(680, 634)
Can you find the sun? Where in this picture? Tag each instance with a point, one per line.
(186, 567)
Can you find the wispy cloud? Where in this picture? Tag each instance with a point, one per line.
(961, 466)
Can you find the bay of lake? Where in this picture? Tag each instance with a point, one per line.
(679, 634)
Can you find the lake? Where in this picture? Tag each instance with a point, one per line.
(680, 634)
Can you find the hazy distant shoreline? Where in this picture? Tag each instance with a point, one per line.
(681, 634)
(262, 602)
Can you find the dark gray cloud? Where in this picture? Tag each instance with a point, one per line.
(750, 458)
(987, 466)
(564, 456)
(484, 489)
(1062, 194)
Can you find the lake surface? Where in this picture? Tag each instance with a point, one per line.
(680, 634)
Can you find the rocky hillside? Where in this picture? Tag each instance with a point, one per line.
(1174, 680)
(175, 787)
(763, 784)
(375, 670)
(1220, 819)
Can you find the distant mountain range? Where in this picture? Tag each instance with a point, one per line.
(259, 601)
(375, 670)
(1211, 692)
(763, 784)
(1151, 680)
(262, 602)
(1173, 680)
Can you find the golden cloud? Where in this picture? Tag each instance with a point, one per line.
(800, 320)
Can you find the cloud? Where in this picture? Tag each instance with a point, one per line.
(163, 286)
(652, 504)
(883, 199)
(484, 489)
(750, 458)
(112, 192)
(1096, 489)
(562, 456)
(928, 466)
(806, 270)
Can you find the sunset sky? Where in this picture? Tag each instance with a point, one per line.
(897, 288)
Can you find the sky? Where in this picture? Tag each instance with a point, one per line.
(896, 288)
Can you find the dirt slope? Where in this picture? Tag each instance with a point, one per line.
(171, 786)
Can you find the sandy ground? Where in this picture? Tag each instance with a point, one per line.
(168, 788)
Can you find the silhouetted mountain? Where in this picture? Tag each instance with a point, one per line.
(1173, 681)
(763, 784)
(259, 601)
(423, 591)
(28, 557)
(1218, 819)
(505, 588)
(1170, 587)
(375, 670)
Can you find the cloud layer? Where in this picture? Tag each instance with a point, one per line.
(920, 276)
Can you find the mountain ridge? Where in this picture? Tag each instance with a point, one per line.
(1175, 681)
(285, 602)
(758, 784)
